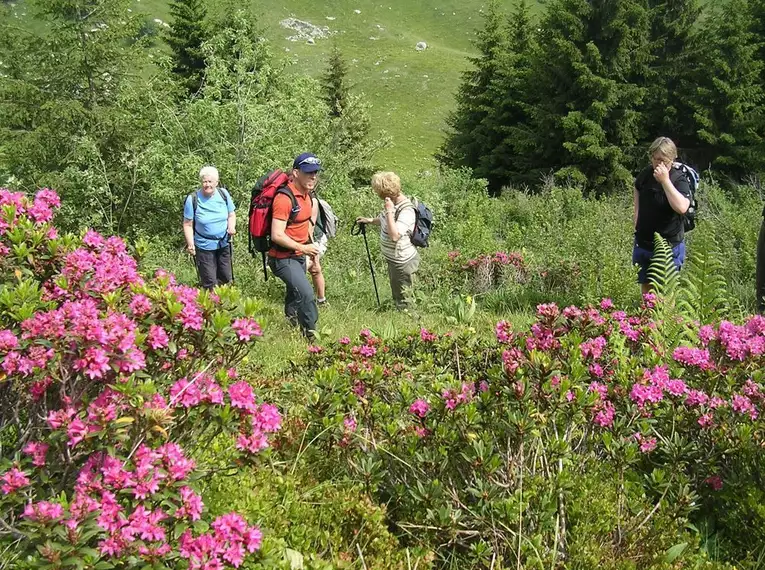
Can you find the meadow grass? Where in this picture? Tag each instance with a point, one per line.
(411, 93)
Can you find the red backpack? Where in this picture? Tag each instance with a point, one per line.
(261, 202)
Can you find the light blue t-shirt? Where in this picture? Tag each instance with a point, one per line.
(211, 219)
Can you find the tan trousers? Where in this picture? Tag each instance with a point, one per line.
(401, 275)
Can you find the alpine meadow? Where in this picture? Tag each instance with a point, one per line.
(382, 285)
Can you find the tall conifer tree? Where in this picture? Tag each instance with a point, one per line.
(502, 162)
(584, 110)
(674, 67)
(469, 137)
(728, 104)
(185, 38)
(335, 82)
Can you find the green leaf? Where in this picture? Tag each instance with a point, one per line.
(674, 553)
(294, 558)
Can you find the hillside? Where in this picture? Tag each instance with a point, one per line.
(411, 92)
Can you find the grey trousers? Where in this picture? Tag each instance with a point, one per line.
(299, 301)
(400, 275)
(214, 266)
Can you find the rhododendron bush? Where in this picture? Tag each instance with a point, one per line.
(587, 439)
(108, 378)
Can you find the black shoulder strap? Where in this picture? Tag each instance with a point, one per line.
(226, 196)
(295, 207)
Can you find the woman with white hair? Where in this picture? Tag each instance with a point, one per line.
(209, 222)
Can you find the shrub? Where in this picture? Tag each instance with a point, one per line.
(109, 380)
(481, 449)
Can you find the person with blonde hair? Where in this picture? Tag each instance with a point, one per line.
(209, 221)
(662, 196)
(397, 222)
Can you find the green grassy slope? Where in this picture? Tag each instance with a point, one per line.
(411, 92)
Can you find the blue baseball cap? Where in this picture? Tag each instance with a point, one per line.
(307, 162)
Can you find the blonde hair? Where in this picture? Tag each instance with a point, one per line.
(663, 147)
(209, 171)
(386, 184)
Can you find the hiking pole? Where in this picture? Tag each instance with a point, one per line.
(196, 266)
(231, 258)
(362, 229)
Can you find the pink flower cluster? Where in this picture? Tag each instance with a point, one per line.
(101, 266)
(454, 398)
(230, 540)
(259, 420)
(246, 329)
(13, 480)
(419, 408)
(499, 258)
(427, 336)
(39, 209)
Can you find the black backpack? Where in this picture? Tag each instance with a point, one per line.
(423, 224)
(689, 218)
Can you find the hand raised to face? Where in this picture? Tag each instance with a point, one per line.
(661, 173)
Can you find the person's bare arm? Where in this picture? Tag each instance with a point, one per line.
(188, 233)
(636, 202)
(677, 201)
(279, 237)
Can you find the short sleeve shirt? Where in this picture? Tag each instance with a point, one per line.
(654, 211)
(402, 250)
(298, 224)
(211, 222)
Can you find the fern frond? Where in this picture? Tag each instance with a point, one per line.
(702, 294)
(662, 273)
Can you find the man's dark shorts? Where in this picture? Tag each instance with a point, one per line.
(642, 257)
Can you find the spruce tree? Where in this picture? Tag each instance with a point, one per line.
(675, 65)
(469, 136)
(334, 83)
(728, 104)
(185, 38)
(584, 94)
(503, 163)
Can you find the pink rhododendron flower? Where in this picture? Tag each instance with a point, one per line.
(349, 424)
(698, 357)
(647, 444)
(649, 300)
(246, 329)
(503, 331)
(191, 504)
(43, 512)
(315, 349)
(572, 312)
(13, 480)
(140, 305)
(696, 398)
(604, 415)
(268, 418)
(8, 340)
(38, 451)
(157, 337)
(593, 348)
(606, 304)
(427, 336)
(368, 351)
(184, 393)
(241, 395)
(548, 311)
(419, 408)
(743, 405)
(706, 420)
(345, 340)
